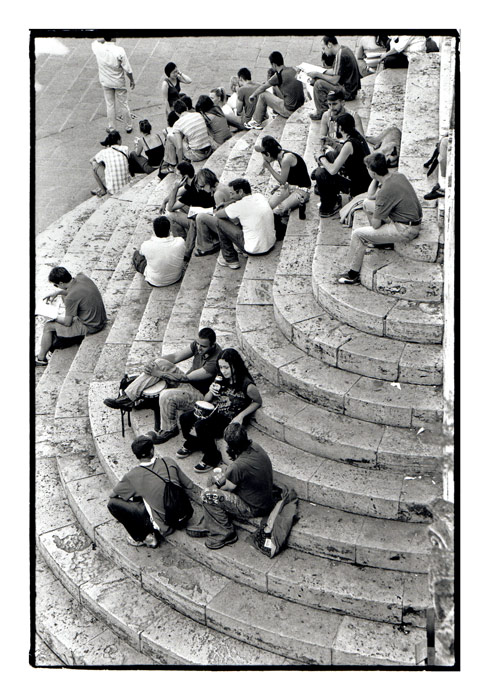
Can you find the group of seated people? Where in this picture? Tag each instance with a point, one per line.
(211, 400)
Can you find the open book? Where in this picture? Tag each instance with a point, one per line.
(51, 311)
(304, 69)
(193, 211)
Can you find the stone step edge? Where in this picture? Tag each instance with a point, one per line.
(305, 535)
(343, 392)
(369, 311)
(230, 565)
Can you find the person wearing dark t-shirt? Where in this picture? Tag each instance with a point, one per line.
(291, 89)
(244, 490)
(343, 73)
(247, 86)
(84, 312)
(293, 179)
(393, 210)
(183, 195)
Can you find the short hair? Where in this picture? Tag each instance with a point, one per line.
(240, 184)
(277, 58)
(329, 39)
(347, 123)
(172, 118)
(377, 163)
(59, 274)
(169, 68)
(237, 439)
(208, 333)
(161, 226)
(180, 107)
(244, 73)
(186, 99)
(271, 146)
(186, 168)
(142, 446)
(206, 177)
(144, 126)
(336, 94)
(204, 103)
(112, 138)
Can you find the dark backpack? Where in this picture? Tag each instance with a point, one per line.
(176, 503)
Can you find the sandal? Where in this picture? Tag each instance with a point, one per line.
(200, 253)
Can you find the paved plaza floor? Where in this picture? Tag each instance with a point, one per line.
(70, 117)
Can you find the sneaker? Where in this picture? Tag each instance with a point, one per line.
(162, 436)
(435, 193)
(315, 116)
(151, 541)
(329, 214)
(40, 363)
(184, 452)
(134, 543)
(119, 402)
(128, 129)
(233, 265)
(202, 467)
(252, 124)
(217, 544)
(346, 279)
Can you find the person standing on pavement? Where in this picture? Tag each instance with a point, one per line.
(113, 66)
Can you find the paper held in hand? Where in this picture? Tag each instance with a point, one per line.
(193, 211)
(50, 311)
(304, 69)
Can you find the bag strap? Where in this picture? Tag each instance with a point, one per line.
(156, 473)
(118, 151)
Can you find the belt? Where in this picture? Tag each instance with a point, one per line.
(409, 223)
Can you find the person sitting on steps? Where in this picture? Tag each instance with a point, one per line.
(111, 165)
(153, 147)
(243, 491)
(336, 107)
(189, 140)
(160, 258)
(194, 383)
(293, 178)
(235, 397)
(393, 210)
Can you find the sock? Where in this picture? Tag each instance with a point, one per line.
(353, 274)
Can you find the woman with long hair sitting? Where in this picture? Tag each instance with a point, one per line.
(215, 120)
(353, 178)
(220, 99)
(235, 397)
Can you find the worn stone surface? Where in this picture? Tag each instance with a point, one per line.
(78, 466)
(255, 292)
(102, 420)
(416, 322)
(410, 450)
(325, 584)
(361, 642)
(73, 397)
(387, 106)
(417, 496)
(52, 508)
(421, 364)
(273, 623)
(88, 498)
(127, 322)
(112, 362)
(393, 545)
(43, 656)
(404, 279)
(372, 356)
(426, 246)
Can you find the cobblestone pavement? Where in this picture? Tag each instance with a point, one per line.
(70, 117)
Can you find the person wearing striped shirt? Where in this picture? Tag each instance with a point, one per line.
(189, 139)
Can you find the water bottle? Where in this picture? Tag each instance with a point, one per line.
(217, 476)
(218, 380)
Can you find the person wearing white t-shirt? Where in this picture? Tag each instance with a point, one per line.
(113, 66)
(160, 258)
(247, 223)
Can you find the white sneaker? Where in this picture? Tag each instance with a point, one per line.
(223, 263)
(252, 124)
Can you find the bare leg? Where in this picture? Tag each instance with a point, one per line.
(99, 175)
(47, 341)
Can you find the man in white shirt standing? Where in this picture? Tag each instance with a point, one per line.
(160, 258)
(113, 66)
(246, 223)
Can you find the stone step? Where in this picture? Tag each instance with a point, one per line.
(72, 633)
(366, 310)
(43, 657)
(341, 391)
(315, 331)
(297, 577)
(386, 272)
(387, 105)
(326, 489)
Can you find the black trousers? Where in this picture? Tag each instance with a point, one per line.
(207, 429)
(133, 515)
(329, 187)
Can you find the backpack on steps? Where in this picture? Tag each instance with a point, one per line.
(176, 503)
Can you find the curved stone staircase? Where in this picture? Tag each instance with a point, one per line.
(351, 381)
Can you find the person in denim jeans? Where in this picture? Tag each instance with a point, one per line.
(393, 210)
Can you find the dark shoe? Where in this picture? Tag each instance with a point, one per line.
(129, 129)
(329, 214)
(165, 170)
(162, 435)
(134, 543)
(184, 452)
(200, 253)
(202, 468)
(41, 363)
(384, 246)
(435, 193)
(197, 531)
(217, 544)
(346, 279)
(315, 116)
(119, 402)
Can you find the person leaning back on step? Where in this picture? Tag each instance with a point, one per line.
(393, 210)
(191, 386)
(84, 312)
(243, 491)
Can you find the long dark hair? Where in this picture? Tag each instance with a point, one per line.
(239, 371)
